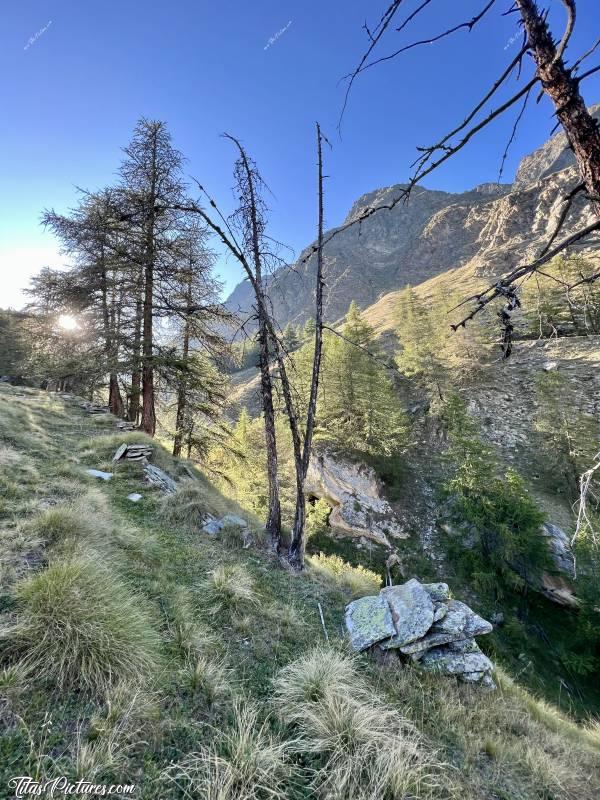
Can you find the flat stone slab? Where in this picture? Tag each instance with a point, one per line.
(412, 612)
(460, 622)
(368, 621)
(121, 450)
(135, 497)
(451, 661)
(97, 473)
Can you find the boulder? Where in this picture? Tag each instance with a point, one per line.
(214, 527)
(412, 612)
(461, 622)
(368, 621)
(438, 592)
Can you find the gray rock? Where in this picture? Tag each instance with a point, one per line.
(560, 548)
(368, 621)
(412, 612)
(212, 527)
(550, 366)
(439, 611)
(157, 477)
(449, 661)
(97, 473)
(461, 622)
(439, 592)
(135, 497)
(234, 521)
(121, 450)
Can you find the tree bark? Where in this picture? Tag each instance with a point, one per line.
(148, 423)
(297, 545)
(181, 389)
(136, 371)
(563, 90)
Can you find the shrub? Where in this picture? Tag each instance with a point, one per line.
(80, 627)
(359, 581)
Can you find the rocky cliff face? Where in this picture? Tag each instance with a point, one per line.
(489, 229)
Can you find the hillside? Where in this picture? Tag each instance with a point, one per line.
(138, 649)
(481, 233)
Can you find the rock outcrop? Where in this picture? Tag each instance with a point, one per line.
(490, 228)
(353, 492)
(420, 622)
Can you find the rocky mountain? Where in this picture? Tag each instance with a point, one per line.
(486, 230)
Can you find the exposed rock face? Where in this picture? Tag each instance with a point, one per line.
(406, 619)
(490, 228)
(353, 492)
(552, 156)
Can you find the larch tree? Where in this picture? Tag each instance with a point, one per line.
(152, 186)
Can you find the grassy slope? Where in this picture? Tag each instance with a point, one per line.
(108, 578)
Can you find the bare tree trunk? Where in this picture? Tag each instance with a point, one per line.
(273, 525)
(136, 371)
(297, 545)
(181, 389)
(115, 401)
(563, 89)
(148, 423)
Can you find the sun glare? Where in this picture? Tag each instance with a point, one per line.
(67, 322)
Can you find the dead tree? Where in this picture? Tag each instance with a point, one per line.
(297, 544)
(552, 77)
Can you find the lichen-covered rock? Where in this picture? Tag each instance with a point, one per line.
(412, 612)
(368, 621)
(439, 592)
(461, 622)
(451, 660)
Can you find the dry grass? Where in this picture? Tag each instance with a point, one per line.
(228, 588)
(358, 581)
(80, 627)
(508, 742)
(360, 748)
(245, 762)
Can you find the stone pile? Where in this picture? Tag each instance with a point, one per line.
(124, 425)
(421, 623)
(132, 452)
(93, 408)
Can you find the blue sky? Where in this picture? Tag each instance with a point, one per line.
(77, 75)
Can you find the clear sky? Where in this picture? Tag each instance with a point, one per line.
(75, 77)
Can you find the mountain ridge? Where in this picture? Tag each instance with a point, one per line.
(485, 230)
